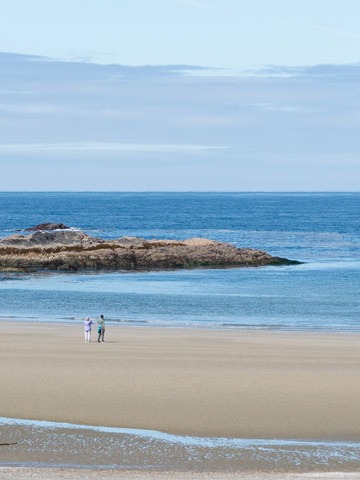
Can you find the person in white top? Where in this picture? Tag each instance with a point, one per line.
(87, 329)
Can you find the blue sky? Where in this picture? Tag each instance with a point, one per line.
(179, 95)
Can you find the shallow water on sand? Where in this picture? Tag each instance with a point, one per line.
(305, 297)
(38, 443)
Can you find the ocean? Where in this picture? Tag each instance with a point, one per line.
(322, 230)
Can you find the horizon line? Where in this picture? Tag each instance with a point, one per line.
(184, 191)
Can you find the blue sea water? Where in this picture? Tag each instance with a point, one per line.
(320, 229)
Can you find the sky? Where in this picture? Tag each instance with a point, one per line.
(180, 95)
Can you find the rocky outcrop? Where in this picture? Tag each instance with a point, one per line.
(48, 226)
(74, 250)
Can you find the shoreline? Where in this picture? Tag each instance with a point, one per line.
(146, 324)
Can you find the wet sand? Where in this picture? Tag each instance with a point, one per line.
(248, 385)
(73, 474)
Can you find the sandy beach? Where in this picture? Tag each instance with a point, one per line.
(192, 382)
(248, 385)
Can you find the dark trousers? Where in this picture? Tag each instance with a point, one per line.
(101, 334)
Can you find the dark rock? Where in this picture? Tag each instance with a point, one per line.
(48, 226)
(50, 238)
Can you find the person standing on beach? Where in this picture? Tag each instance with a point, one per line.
(101, 328)
(87, 329)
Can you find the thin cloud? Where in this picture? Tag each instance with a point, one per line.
(15, 92)
(321, 72)
(31, 148)
(31, 109)
(50, 109)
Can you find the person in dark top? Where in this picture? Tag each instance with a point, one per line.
(101, 328)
